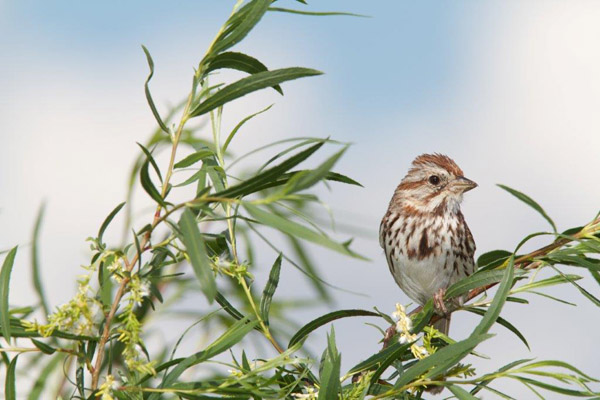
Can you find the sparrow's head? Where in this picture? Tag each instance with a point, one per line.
(434, 182)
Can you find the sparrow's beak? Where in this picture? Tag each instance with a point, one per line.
(464, 184)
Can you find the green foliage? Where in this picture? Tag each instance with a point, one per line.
(5, 272)
(196, 251)
(94, 346)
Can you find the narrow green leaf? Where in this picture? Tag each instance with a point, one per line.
(499, 299)
(337, 177)
(295, 229)
(251, 84)
(4, 291)
(572, 231)
(298, 143)
(296, 265)
(306, 179)
(233, 335)
(486, 382)
(310, 269)
(216, 174)
(500, 394)
(138, 248)
(187, 330)
(422, 318)
(460, 393)
(558, 364)
(327, 318)
(556, 389)
(316, 13)
(105, 282)
(239, 25)
(149, 96)
(195, 177)
(44, 348)
(269, 291)
(502, 322)
(10, 391)
(584, 292)
(554, 280)
(574, 260)
(108, 220)
(529, 237)
(239, 125)
(238, 61)
(531, 203)
(492, 259)
(330, 372)
(80, 381)
(194, 158)
(285, 178)
(478, 279)
(230, 309)
(441, 360)
(517, 300)
(196, 249)
(149, 186)
(253, 184)
(552, 298)
(396, 351)
(391, 352)
(35, 261)
(150, 158)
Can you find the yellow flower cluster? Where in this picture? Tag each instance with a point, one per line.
(79, 316)
(404, 327)
(106, 389)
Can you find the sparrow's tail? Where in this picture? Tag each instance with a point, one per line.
(443, 324)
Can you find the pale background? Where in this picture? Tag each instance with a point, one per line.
(510, 90)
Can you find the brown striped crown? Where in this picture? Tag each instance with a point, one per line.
(439, 160)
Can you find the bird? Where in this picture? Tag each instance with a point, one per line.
(427, 243)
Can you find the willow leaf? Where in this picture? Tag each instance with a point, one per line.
(327, 318)
(251, 84)
(7, 266)
(269, 291)
(196, 249)
(531, 203)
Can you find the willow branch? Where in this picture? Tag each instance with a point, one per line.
(123, 285)
(528, 261)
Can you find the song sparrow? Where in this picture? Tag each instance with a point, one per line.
(426, 240)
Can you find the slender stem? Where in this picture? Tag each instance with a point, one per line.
(263, 326)
(157, 217)
(215, 118)
(123, 285)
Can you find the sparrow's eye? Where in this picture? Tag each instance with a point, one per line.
(434, 179)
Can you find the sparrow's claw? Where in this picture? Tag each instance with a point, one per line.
(438, 301)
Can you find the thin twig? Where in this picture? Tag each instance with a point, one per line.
(123, 285)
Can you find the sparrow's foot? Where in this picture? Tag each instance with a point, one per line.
(438, 301)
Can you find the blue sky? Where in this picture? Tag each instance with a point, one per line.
(510, 90)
